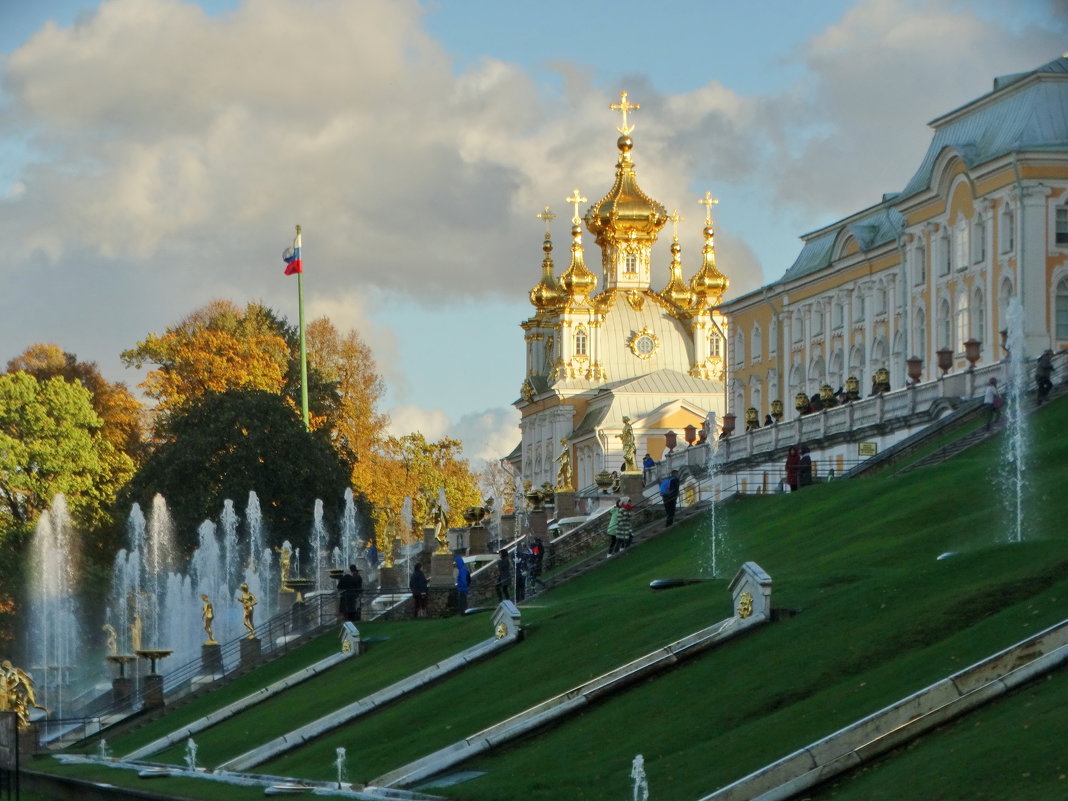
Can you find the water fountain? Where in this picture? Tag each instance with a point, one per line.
(1011, 471)
(342, 774)
(637, 775)
(54, 636)
(191, 754)
(713, 528)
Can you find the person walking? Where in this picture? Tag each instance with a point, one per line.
(992, 402)
(793, 463)
(669, 493)
(463, 584)
(613, 529)
(504, 576)
(349, 590)
(1044, 376)
(420, 595)
(804, 468)
(625, 528)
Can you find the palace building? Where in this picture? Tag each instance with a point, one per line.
(929, 275)
(624, 349)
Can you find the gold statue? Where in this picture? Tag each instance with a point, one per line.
(564, 478)
(208, 614)
(285, 555)
(113, 638)
(17, 693)
(441, 529)
(136, 628)
(629, 449)
(248, 600)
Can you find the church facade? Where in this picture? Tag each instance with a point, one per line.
(623, 352)
(925, 282)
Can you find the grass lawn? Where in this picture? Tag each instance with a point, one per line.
(879, 616)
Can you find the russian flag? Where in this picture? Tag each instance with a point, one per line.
(292, 257)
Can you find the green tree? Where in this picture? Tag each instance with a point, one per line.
(232, 442)
(50, 442)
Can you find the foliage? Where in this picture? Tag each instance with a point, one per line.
(411, 467)
(233, 442)
(121, 413)
(50, 442)
(496, 482)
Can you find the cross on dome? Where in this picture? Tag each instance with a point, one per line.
(548, 217)
(623, 106)
(575, 200)
(708, 202)
(676, 218)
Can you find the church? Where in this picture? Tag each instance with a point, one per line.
(625, 352)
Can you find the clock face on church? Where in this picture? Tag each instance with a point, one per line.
(643, 344)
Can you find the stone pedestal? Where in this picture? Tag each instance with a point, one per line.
(122, 692)
(538, 520)
(250, 651)
(390, 579)
(477, 540)
(441, 569)
(152, 691)
(299, 616)
(566, 504)
(632, 484)
(430, 542)
(211, 658)
(507, 528)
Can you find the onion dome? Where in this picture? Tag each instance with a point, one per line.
(577, 281)
(546, 294)
(676, 292)
(626, 209)
(709, 284)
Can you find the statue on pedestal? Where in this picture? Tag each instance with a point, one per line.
(248, 601)
(17, 693)
(208, 614)
(113, 638)
(630, 451)
(564, 478)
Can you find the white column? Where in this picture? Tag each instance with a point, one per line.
(1032, 249)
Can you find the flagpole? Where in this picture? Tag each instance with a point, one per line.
(303, 350)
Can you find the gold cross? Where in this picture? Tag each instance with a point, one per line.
(575, 200)
(708, 202)
(548, 216)
(624, 106)
(676, 218)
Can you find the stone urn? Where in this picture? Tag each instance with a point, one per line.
(603, 480)
(915, 369)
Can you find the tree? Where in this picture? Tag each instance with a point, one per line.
(50, 442)
(232, 442)
(122, 414)
(411, 467)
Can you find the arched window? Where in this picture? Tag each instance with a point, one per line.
(945, 326)
(945, 254)
(1060, 225)
(979, 239)
(1007, 229)
(715, 344)
(919, 346)
(630, 263)
(1060, 311)
(773, 335)
(979, 316)
(756, 349)
(798, 327)
(580, 342)
(963, 321)
(919, 271)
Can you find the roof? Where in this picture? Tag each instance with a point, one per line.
(881, 226)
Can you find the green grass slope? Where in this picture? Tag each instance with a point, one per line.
(879, 616)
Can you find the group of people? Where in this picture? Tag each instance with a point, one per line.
(519, 570)
(798, 467)
(620, 527)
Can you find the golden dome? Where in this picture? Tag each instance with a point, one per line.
(577, 281)
(676, 292)
(546, 295)
(626, 209)
(709, 284)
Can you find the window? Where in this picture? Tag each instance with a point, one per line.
(1007, 232)
(739, 349)
(978, 316)
(580, 342)
(1062, 225)
(880, 301)
(797, 327)
(979, 240)
(756, 348)
(945, 255)
(1061, 309)
(817, 322)
(920, 345)
(945, 325)
(630, 263)
(838, 315)
(715, 344)
(858, 307)
(920, 268)
(773, 335)
(960, 245)
(963, 322)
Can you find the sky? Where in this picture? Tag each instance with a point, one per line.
(155, 155)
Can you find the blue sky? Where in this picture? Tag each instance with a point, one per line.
(155, 154)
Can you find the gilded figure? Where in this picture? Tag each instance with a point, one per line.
(248, 601)
(564, 478)
(17, 693)
(630, 465)
(208, 615)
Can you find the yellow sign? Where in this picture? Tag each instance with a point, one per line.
(867, 448)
